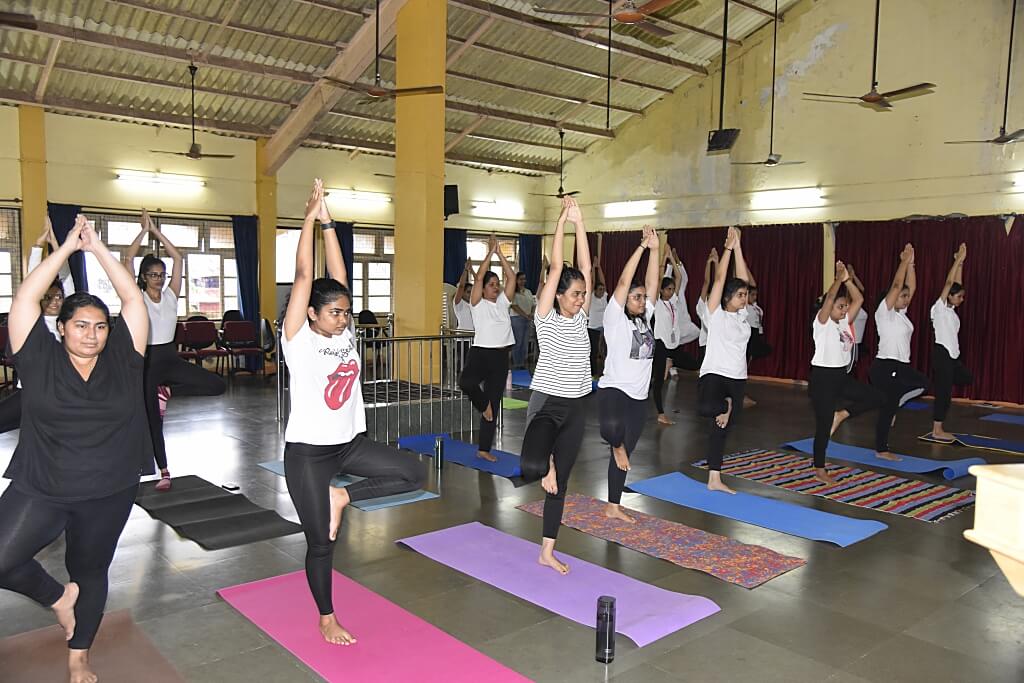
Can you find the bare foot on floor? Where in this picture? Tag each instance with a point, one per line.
(613, 511)
(723, 420)
(486, 455)
(837, 419)
(715, 483)
(78, 667)
(550, 481)
(549, 560)
(663, 420)
(621, 458)
(749, 402)
(822, 475)
(333, 632)
(64, 608)
(339, 499)
(488, 414)
(886, 455)
(940, 434)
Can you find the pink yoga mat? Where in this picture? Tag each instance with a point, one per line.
(394, 645)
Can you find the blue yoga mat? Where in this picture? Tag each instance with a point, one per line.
(988, 443)
(951, 469)
(763, 512)
(368, 505)
(464, 454)
(1008, 419)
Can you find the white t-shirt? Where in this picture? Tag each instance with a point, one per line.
(524, 300)
(833, 343)
(755, 316)
(702, 315)
(163, 317)
(492, 324)
(324, 387)
(563, 365)
(894, 333)
(627, 367)
(666, 321)
(860, 323)
(464, 315)
(597, 309)
(728, 334)
(947, 327)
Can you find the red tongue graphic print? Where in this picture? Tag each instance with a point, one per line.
(340, 383)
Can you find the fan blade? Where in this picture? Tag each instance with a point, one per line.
(654, 29)
(216, 156)
(1015, 136)
(18, 20)
(825, 94)
(654, 5)
(970, 142)
(748, 163)
(423, 90)
(910, 90)
(164, 151)
(564, 13)
(790, 163)
(881, 104)
(571, 194)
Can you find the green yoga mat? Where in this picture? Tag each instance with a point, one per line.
(513, 404)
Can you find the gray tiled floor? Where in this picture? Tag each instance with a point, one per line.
(915, 603)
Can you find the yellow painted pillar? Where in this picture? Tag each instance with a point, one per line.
(828, 269)
(419, 169)
(32, 139)
(266, 211)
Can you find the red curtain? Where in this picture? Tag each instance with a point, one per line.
(616, 248)
(991, 324)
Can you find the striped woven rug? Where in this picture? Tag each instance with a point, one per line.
(863, 488)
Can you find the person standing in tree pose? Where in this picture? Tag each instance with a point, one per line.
(701, 308)
(556, 415)
(947, 368)
(672, 329)
(723, 374)
(598, 303)
(492, 336)
(326, 428)
(82, 445)
(891, 371)
(622, 389)
(860, 323)
(460, 300)
(164, 367)
(834, 341)
(521, 312)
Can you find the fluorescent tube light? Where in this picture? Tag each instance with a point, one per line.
(357, 197)
(150, 180)
(632, 208)
(498, 208)
(797, 198)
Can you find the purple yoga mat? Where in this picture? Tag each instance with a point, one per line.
(644, 613)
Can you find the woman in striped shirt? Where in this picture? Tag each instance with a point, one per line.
(561, 381)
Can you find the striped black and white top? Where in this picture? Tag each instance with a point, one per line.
(563, 366)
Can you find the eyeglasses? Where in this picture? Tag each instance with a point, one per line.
(155, 276)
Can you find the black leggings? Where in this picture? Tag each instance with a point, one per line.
(596, 339)
(164, 366)
(900, 383)
(680, 359)
(622, 422)
(10, 412)
(309, 469)
(829, 388)
(712, 392)
(757, 346)
(554, 427)
(946, 372)
(91, 528)
(487, 367)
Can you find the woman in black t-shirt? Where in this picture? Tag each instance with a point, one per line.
(84, 440)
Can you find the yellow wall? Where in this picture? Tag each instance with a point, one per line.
(869, 165)
(10, 169)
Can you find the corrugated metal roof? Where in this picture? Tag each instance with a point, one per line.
(529, 79)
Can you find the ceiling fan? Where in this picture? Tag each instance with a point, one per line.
(628, 14)
(561, 172)
(195, 150)
(874, 98)
(1003, 138)
(378, 91)
(773, 158)
(16, 20)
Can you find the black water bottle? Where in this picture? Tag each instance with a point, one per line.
(605, 629)
(439, 452)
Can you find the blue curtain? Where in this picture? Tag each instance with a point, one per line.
(63, 218)
(454, 254)
(247, 238)
(529, 259)
(345, 238)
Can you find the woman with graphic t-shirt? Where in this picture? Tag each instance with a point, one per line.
(325, 434)
(834, 341)
(483, 378)
(947, 368)
(672, 329)
(622, 389)
(82, 446)
(723, 374)
(557, 413)
(891, 372)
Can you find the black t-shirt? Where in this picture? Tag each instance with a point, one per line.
(80, 439)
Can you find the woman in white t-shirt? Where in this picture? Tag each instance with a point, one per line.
(860, 323)
(164, 367)
(326, 423)
(672, 330)
(460, 300)
(701, 307)
(723, 373)
(947, 368)
(622, 389)
(521, 313)
(830, 383)
(891, 371)
(483, 378)
(561, 383)
(598, 304)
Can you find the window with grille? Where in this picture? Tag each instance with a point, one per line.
(10, 256)
(476, 249)
(371, 281)
(209, 269)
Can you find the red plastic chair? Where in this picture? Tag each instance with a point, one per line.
(239, 338)
(179, 341)
(201, 337)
